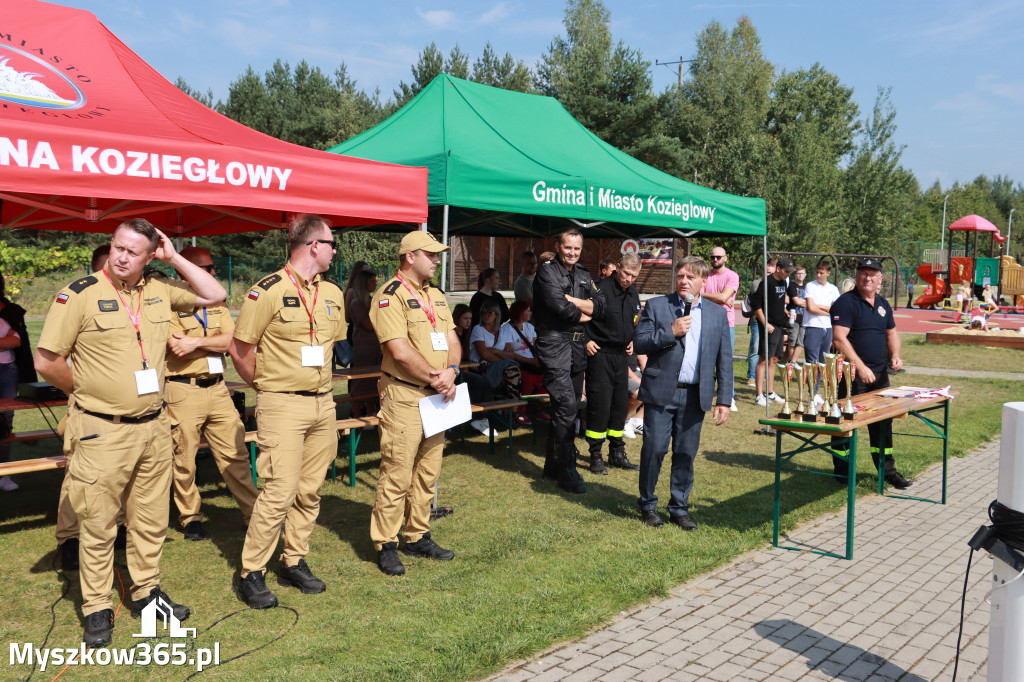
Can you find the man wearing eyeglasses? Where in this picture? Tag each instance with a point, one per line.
(721, 287)
(283, 338)
(198, 404)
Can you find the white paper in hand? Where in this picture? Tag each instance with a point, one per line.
(438, 416)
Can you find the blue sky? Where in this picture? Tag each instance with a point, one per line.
(954, 67)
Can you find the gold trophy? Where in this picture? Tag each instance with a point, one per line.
(811, 413)
(848, 410)
(787, 376)
(833, 415)
(799, 370)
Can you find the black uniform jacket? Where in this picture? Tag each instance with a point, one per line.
(551, 312)
(615, 329)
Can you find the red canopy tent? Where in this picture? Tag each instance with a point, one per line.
(91, 135)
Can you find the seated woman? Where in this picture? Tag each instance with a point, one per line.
(487, 284)
(366, 350)
(517, 336)
(497, 366)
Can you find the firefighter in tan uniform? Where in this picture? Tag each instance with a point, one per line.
(114, 327)
(198, 404)
(283, 342)
(421, 358)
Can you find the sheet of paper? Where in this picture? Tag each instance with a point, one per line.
(438, 416)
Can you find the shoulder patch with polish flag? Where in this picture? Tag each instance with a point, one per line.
(254, 295)
(62, 298)
(383, 303)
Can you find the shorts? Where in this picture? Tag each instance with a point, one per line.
(632, 385)
(776, 344)
(796, 334)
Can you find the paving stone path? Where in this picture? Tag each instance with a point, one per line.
(890, 614)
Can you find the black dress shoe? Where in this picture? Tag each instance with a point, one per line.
(194, 531)
(180, 611)
(388, 561)
(684, 522)
(301, 577)
(426, 547)
(896, 480)
(254, 592)
(99, 628)
(69, 554)
(652, 518)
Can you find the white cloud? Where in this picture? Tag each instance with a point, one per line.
(495, 14)
(438, 18)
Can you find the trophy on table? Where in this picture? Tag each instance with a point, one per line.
(787, 376)
(833, 415)
(810, 374)
(850, 370)
(798, 370)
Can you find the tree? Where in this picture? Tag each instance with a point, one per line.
(506, 73)
(431, 63)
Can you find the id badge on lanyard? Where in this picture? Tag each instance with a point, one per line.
(146, 379)
(311, 356)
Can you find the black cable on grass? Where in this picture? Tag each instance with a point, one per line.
(53, 611)
(250, 651)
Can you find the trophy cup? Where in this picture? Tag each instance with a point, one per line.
(848, 410)
(833, 415)
(800, 372)
(811, 413)
(787, 376)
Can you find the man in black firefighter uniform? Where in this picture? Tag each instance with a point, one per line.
(564, 299)
(607, 388)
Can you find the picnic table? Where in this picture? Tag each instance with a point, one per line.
(889, 403)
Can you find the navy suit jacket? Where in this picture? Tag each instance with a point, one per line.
(665, 352)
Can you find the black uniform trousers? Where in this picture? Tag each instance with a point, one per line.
(564, 362)
(880, 432)
(607, 394)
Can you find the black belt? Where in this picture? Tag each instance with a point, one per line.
(575, 337)
(308, 394)
(682, 385)
(197, 381)
(403, 381)
(118, 419)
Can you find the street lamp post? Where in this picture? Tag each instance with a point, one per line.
(943, 244)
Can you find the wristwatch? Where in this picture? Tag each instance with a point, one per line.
(456, 368)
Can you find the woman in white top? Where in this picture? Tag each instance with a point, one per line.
(504, 378)
(820, 295)
(517, 336)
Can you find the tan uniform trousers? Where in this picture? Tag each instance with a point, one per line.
(194, 411)
(115, 462)
(67, 521)
(298, 439)
(409, 466)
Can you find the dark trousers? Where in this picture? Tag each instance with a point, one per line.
(564, 365)
(607, 395)
(679, 422)
(880, 432)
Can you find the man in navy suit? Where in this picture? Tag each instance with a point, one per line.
(686, 355)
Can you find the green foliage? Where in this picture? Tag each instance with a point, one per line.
(21, 264)
(506, 72)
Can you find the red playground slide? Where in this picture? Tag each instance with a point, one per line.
(938, 285)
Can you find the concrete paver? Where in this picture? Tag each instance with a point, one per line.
(890, 614)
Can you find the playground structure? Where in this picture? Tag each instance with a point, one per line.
(946, 269)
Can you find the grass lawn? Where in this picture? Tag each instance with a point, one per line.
(533, 565)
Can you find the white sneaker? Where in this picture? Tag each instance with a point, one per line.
(7, 485)
(627, 431)
(777, 398)
(733, 408)
(481, 425)
(760, 400)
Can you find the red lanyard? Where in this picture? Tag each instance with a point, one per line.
(134, 317)
(428, 308)
(316, 292)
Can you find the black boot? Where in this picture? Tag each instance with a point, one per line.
(617, 456)
(596, 463)
(550, 458)
(568, 478)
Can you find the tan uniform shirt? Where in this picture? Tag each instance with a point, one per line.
(274, 318)
(396, 314)
(88, 323)
(218, 321)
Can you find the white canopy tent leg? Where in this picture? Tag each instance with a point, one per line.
(444, 255)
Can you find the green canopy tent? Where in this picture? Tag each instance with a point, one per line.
(505, 163)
